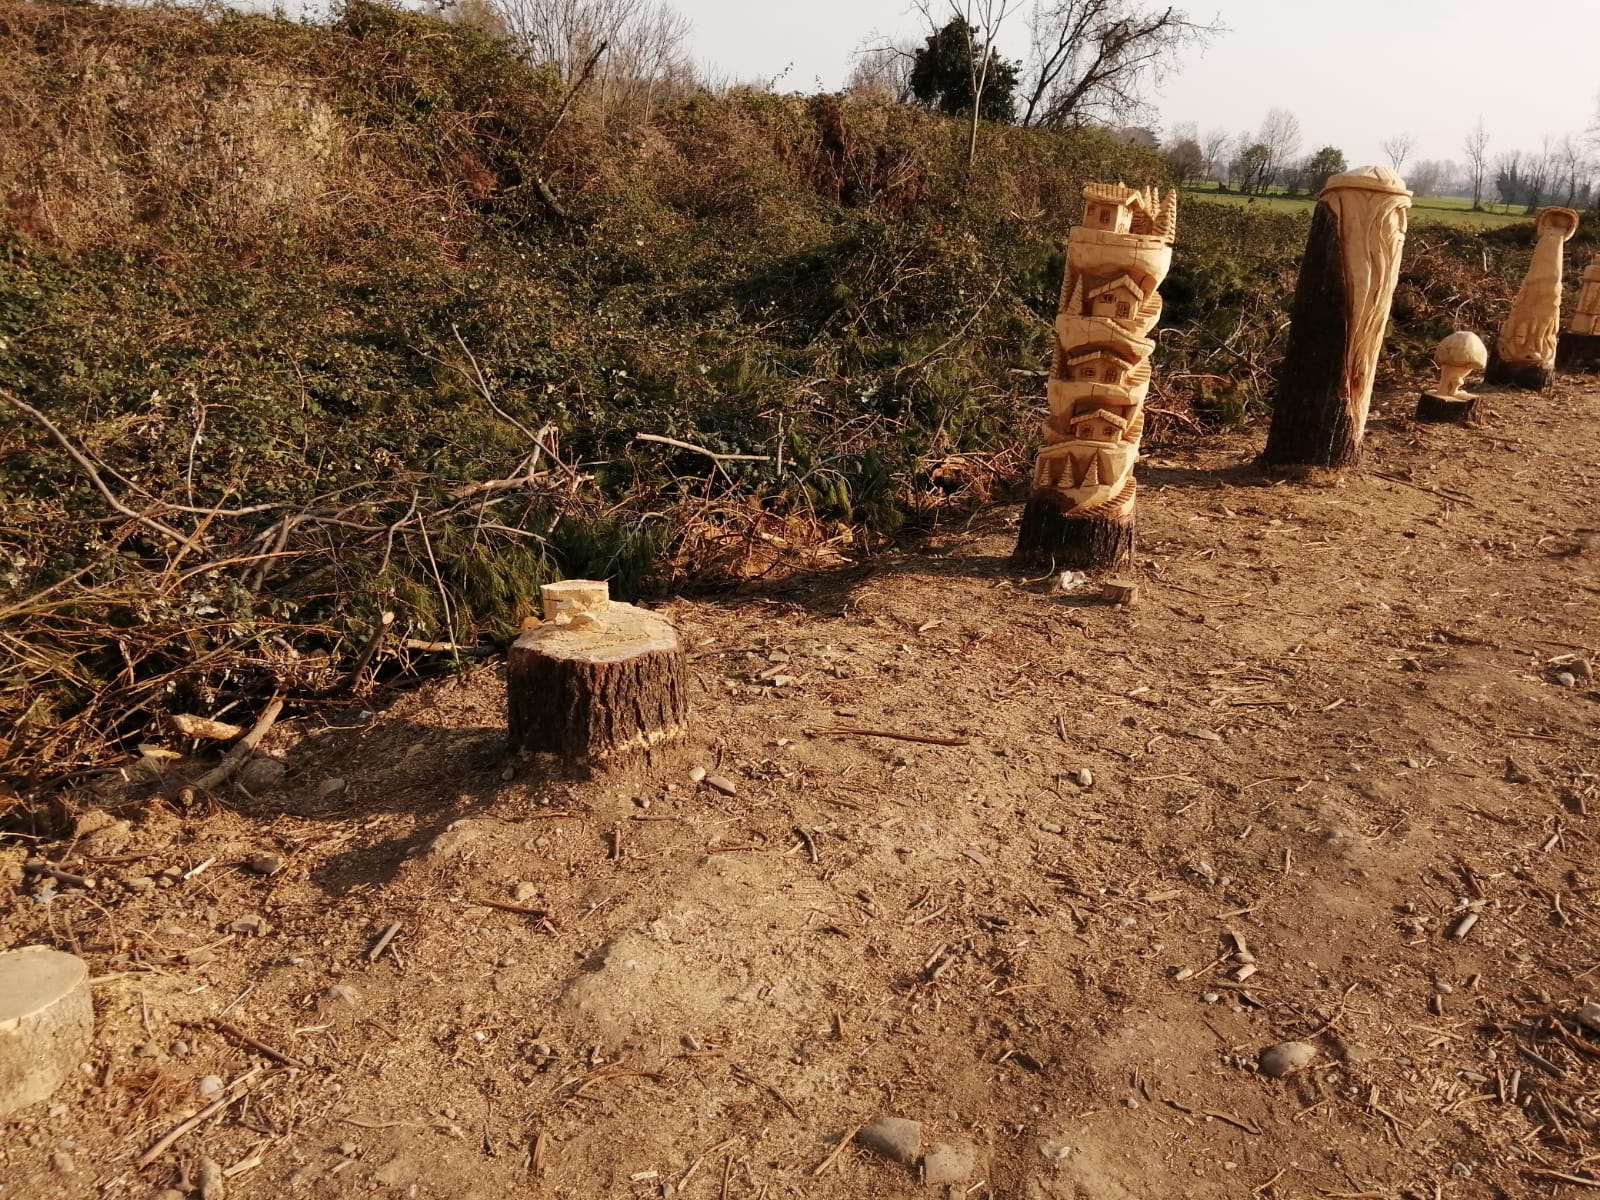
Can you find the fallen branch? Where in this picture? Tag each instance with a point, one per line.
(177, 1131)
(235, 758)
(850, 731)
(711, 454)
(379, 632)
(82, 460)
(203, 727)
(245, 1039)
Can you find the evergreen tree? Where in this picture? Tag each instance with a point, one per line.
(943, 70)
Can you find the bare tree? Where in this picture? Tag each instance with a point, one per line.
(1573, 165)
(1093, 58)
(1279, 135)
(1476, 148)
(638, 44)
(1426, 177)
(1398, 148)
(882, 71)
(982, 21)
(1214, 151)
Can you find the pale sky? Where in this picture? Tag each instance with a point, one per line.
(1355, 72)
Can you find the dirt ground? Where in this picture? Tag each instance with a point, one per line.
(1338, 721)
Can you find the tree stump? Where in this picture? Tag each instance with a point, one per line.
(1120, 591)
(1050, 539)
(1578, 353)
(1323, 387)
(1531, 377)
(598, 682)
(1454, 410)
(46, 1023)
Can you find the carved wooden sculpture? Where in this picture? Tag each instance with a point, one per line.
(1341, 306)
(1525, 352)
(1458, 356)
(1579, 348)
(598, 681)
(1080, 508)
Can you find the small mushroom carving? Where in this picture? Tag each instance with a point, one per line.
(1458, 356)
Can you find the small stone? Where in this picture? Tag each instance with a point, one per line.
(199, 956)
(265, 864)
(210, 1085)
(696, 774)
(180, 1048)
(1589, 1017)
(1209, 997)
(505, 962)
(507, 773)
(947, 1164)
(892, 1137)
(1130, 1102)
(1413, 765)
(61, 1163)
(721, 783)
(1583, 669)
(1083, 777)
(1047, 827)
(148, 1050)
(139, 883)
(330, 787)
(262, 774)
(349, 1149)
(1182, 973)
(249, 926)
(1286, 1058)
(523, 891)
(1566, 679)
(340, 993)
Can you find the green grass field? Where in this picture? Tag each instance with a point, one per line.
(1448, 210)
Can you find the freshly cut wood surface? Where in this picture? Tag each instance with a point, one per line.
(46, 1022)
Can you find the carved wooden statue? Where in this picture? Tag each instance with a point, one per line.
(1458, 356)
(1579, 348)
(597, 681)
(1341, 306)
(1081, 505)
(1525, 353)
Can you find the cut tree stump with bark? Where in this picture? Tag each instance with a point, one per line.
(1050, 539)
(1578, 353)
(46, 1023)
(597, 682)
(1454, 410)
(1530, 377)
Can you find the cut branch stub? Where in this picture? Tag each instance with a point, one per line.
(46, 1023)
(597, 683)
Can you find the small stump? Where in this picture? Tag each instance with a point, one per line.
(46, 1023)
(1578, 353)
(1455, 410)
(598, 682)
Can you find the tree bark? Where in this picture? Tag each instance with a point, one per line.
(1531, 377)
(1049, 540)
(1578, 353)
(607, 685)
(46, 1023)
(1313, 422)
(1453, 410)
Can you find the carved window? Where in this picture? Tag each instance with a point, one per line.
(1085, 372)
(1124, 308)
(1105, 216)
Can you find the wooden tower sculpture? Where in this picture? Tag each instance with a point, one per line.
(1579, 348)
(1081, 505)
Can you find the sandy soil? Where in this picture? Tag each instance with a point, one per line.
(1338, 721)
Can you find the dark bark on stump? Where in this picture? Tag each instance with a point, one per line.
(1445, 409)
(586, 698)
(1533, 377)
(1578, 353)
(1050, 540)
(1313, 419)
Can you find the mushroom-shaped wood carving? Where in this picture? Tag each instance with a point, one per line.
(1460, 354)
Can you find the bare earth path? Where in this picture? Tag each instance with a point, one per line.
(1334, 725)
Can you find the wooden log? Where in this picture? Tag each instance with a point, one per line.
(1323, 386)
(1578, 353)
(46, 1023)
(597, 687)
(1454, 410)
(1050, 539)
